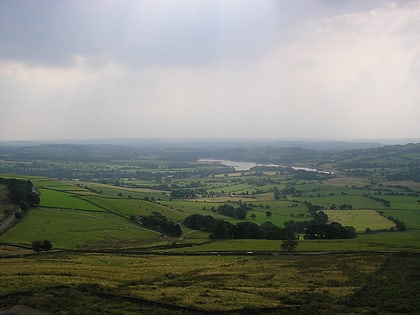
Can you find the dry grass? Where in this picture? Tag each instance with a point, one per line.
(207, 282)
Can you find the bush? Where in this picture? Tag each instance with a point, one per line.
(44, 245)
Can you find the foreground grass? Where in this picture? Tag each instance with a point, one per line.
(69, 283)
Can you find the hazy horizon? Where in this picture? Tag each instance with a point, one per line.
(212, 141)
(212, 69)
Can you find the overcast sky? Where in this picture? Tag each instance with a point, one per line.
(276, 69)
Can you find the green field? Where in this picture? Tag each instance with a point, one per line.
(58, 199)
(102, 219)
(73, 229)
(360, 219)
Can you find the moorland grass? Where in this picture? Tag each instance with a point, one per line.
(210, 283)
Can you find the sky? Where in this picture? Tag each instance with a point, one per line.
(246, 69)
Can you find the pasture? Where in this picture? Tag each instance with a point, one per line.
(76, 229)
(61, 199)
(79, 215)
(360, 219)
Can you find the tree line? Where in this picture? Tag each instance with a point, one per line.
(220, 229)
(158, 222)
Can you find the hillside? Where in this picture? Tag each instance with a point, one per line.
(180, 236)
(398, 162)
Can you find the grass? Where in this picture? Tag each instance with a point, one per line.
(210, 283)
(58, 199)
(8, 250)
(132, 192)
(128, 207)
(360, 219)
(403, 202)
(71, 229)
(380, 241)
(411, 218)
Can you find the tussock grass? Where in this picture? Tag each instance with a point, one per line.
(211, 283)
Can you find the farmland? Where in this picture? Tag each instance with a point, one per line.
(102, 246)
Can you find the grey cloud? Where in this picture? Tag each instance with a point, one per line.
(139, 32)
(206, 68)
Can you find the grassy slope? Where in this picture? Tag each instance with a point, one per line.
(71, 228)
(113, 284)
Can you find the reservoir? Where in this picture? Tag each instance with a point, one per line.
(246, 166)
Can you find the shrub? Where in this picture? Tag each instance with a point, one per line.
(39, 245)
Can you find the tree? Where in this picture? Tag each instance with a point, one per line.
(39, 245)
(276, 193)
(400, 226)
(46, 245)
(289, 245)
(36, 246)
(268, 214)
(333, 230)
(253, 216)
(247, 230)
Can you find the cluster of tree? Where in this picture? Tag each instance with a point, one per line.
(276, 193)
(239, 212)
(345, 206)
(158, 222)
(289, 245)
(290, 190)
(399, 225)
(305, 175)
(220, 229)
(44, 245)
(183, 194)
(319, 217)
(21, 192)
(333, 230)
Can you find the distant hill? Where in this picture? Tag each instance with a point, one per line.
(396, 161)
